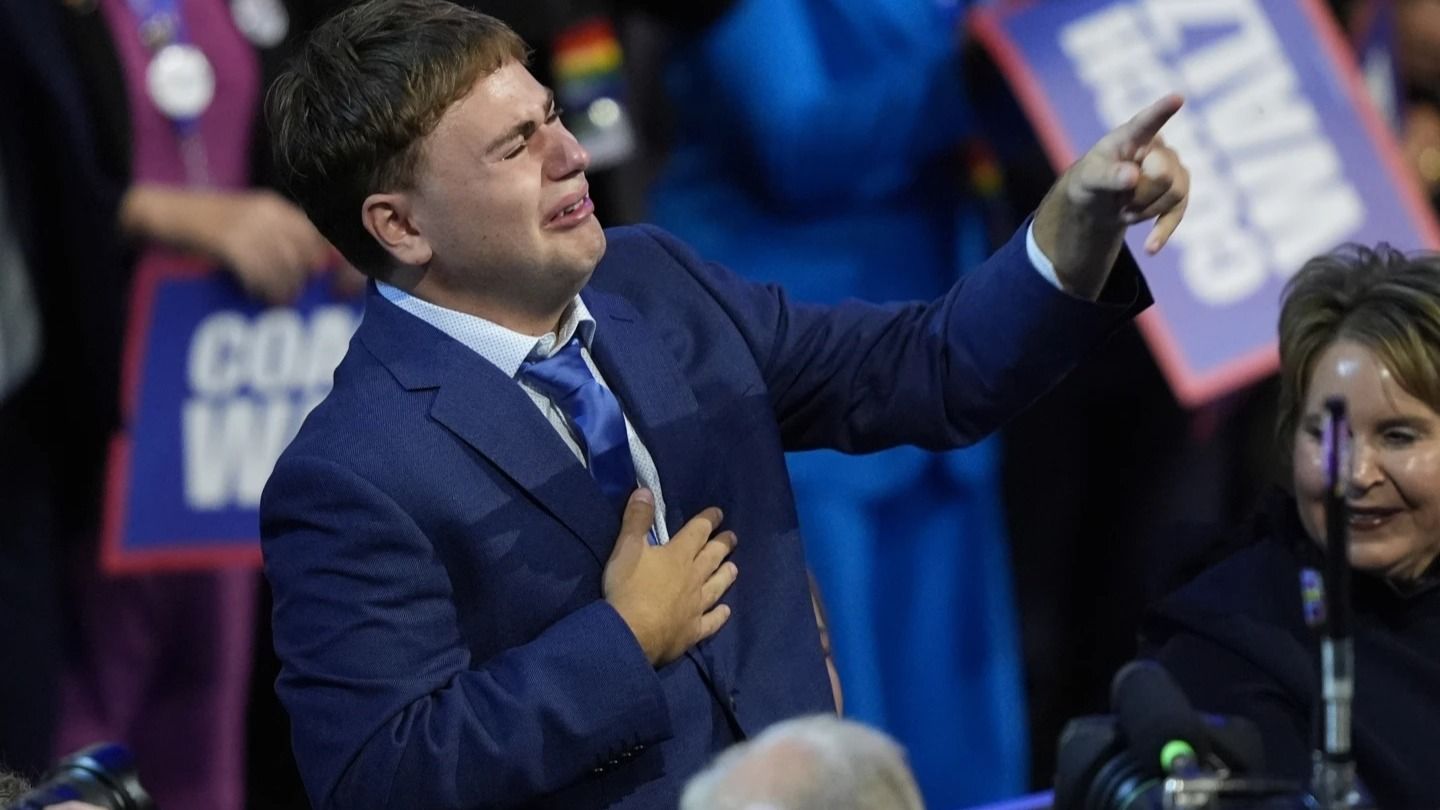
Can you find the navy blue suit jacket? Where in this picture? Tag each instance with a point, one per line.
(436, 551)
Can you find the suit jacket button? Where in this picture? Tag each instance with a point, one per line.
(734, 705)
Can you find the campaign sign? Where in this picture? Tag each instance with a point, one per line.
(215, 385)
(1287, 156)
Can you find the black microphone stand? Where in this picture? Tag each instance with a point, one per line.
(1333, 781)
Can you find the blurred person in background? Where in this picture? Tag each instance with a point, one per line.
(1397, 43)
(172, 90)
(1418, 58)
(1363, 325)
(823, 146)
(809, 763)
(59, 321)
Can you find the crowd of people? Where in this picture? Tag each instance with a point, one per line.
(838, 505)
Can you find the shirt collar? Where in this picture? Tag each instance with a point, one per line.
(505, 348)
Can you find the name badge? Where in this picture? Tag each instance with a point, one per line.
(264, 22)
(180, 81)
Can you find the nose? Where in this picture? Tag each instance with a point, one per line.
(567, 156)
(1365, 471)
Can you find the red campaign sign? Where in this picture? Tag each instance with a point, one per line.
(1287, 155)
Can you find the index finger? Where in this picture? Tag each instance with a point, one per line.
(697, 531)
(1142, 128)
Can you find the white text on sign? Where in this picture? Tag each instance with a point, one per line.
(1267, 187)
(252, 380)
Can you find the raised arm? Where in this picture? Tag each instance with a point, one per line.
(860, 377)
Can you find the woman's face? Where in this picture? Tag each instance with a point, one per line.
(1394, 488)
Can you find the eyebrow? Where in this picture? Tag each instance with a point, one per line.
(1419, 423)
(1413, 422)
(525, 128)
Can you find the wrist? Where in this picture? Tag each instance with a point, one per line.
(182, 218)
(644, 634)
(142, 209)
(1081, 247)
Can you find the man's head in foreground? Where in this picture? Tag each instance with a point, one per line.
(810, 763)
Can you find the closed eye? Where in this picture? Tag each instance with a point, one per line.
(551, 117)
(1399, 437)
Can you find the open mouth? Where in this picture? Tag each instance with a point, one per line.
(1369, 518)
(574, 212)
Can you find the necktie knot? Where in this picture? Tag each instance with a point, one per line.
(559, 375)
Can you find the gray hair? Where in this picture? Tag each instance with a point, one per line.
(810, 763)
(12, 787)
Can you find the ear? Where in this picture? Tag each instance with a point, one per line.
(390, 219)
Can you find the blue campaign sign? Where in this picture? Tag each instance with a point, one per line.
(1287, 155)
(215, 386)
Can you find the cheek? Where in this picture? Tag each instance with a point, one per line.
(1309, 469)
(1421, 468)
(1309, 483)
(1417, 476)
(500, 226)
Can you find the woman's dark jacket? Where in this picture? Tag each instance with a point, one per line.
(1236, 640)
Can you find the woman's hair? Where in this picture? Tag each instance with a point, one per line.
(1377, 297)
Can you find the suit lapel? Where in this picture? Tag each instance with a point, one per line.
(659, 403)
(656, 399)
(492, 414)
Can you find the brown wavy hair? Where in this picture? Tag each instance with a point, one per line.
(1377, 297)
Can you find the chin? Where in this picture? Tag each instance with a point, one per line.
(1380, 562)
(595, 241)
(583, 258)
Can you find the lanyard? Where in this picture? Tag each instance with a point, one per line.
(161, 23)
(178, 78)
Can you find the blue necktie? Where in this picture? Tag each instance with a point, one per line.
(595, 414)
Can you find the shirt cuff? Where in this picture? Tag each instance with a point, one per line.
(1039, 260)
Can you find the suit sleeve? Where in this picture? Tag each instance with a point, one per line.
(388, 708)
(860, 377)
